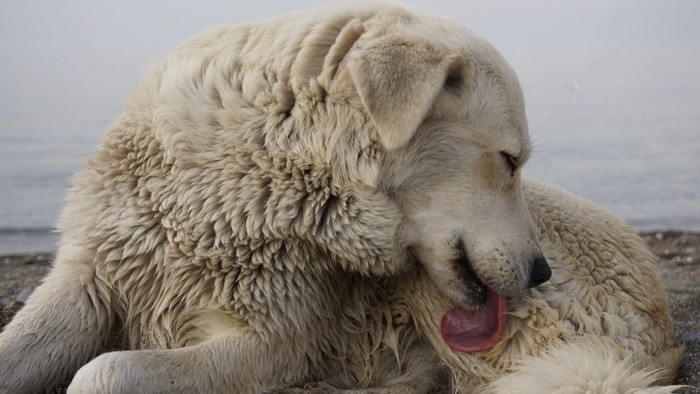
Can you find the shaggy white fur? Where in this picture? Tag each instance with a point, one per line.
(296, 203)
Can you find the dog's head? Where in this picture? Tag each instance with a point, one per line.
(450, 113)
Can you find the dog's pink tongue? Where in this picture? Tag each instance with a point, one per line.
(475, 331)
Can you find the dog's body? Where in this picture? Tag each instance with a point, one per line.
(302, 199)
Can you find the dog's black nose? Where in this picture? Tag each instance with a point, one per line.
(540, 272)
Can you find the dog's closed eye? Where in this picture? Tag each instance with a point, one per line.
(511, 161)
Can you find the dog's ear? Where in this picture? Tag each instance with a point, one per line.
(397, 82)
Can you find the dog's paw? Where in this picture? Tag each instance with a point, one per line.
(95, 376)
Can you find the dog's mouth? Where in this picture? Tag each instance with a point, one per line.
(465, 330)
(479, 328)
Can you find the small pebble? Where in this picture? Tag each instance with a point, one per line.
(24, 294)
(690, 336)
(689, 259)
(659, 236)
(8, 311)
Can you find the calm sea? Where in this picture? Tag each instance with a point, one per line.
(620, 126)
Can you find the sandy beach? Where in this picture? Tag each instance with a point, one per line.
(679, 256)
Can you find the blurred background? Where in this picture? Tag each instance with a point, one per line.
(612, 90)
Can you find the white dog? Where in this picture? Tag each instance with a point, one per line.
(333, 197)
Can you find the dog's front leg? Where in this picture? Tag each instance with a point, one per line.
(66, 322)
(235, 363)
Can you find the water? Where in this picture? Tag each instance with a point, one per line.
(618, 125)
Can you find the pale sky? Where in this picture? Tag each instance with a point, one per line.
(150, 27)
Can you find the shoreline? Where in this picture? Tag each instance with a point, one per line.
(679, 261)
